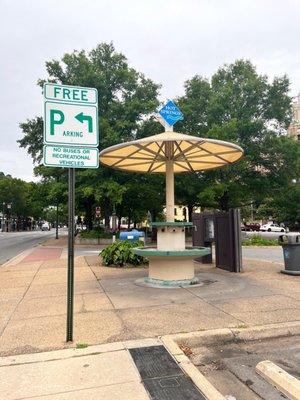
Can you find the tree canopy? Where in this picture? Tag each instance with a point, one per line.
(237, 104)
(243, 107)
(126, 99)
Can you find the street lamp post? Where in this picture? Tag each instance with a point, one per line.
(3, 205)
(8, 205)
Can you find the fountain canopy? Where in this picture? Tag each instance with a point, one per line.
(188, 153)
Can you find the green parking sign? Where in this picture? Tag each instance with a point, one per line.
(70, 115)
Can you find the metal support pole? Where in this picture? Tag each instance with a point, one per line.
(170, 182)
(56, 224)
(3, 227)
(70, 294)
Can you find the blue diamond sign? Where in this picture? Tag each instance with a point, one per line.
(170, 113)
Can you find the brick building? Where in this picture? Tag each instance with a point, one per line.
(294, 129)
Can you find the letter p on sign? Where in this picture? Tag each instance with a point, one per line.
(57, 117)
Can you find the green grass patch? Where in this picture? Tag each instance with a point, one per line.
(241, 326)
(81, 345)
(257, 240)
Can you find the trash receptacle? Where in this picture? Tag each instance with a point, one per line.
(291, 253)
(132, 236)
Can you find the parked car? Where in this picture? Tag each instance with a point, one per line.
(252, 226)
(271, 227)
(46, 226)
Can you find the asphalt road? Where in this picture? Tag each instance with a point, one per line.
(231, 367)
(273, 254)
(13, 243)
(269, 235)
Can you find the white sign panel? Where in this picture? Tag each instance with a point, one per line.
(71, 94)
(71, 156)
(70, 115)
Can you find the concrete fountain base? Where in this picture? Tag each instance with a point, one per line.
(171, 268)
(168, 284)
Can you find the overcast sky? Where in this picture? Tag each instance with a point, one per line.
(168, 40)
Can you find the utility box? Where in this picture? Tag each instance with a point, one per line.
(224, 229)
(132, 236)
(228, 240)
(203, 233)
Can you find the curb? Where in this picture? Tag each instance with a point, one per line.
(287, 384)
(70, 351)
(264, 261)
(22, 255)
(221, 336)
(205, 387)
(19, 257)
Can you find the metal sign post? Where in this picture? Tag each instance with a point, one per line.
(71, 139)
(71, 223)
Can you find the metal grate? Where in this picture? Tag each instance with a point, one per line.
(161, 375)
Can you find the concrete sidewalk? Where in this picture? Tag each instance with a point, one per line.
(103, 372)
(109, 307)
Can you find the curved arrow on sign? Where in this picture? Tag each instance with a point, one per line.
(81, 118)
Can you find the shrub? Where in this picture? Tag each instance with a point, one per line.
(120, 254)
(95, 234)
(257, 240)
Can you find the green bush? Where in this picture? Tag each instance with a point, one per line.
(257, 240)
(95, 234)
(120, 254)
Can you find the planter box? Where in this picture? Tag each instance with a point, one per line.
(89, 241)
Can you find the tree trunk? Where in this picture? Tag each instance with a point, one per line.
(153, 215)
(18, 223)
(106, 213)
(129, 221)
(224, 202)
(119, 222)
(89, 215)
(190, 211)
(119, 213)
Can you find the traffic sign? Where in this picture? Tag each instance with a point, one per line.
(71, 156)
(170, 113)
(70, 115)
(70, 137)
(70, 94)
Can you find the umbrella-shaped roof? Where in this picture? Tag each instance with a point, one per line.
(188, 153)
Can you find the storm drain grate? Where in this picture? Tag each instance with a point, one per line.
(161, 376)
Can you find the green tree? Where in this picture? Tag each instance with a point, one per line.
(54, 193)
(143, 194)
(243, 107)
(284, 207)
(126, 97)
(27, 199)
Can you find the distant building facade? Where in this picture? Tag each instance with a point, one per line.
(294, 129)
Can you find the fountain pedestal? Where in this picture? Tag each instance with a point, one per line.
(171, 263)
